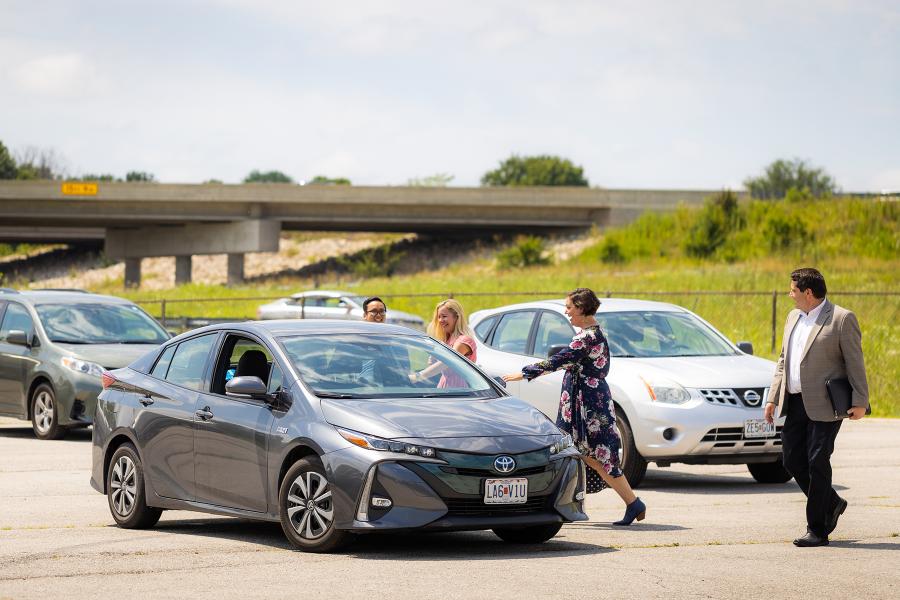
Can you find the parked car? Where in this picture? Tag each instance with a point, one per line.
(317, 424)
(54, 346)
(683, 392)
(321, 304)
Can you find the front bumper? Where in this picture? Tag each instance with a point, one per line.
(702, 433)
(447, 496)
(77, 397)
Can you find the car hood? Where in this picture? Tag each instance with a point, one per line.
(434, 418)
(702, 371)
(110, 356)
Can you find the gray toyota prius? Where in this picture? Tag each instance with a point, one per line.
(333, 428)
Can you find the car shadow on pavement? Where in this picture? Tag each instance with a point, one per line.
(463, 545)
(693, 483)
(25, 432)
(468, 545)
(635, 527)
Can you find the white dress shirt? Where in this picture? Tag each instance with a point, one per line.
(799, 337)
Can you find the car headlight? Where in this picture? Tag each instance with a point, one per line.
(82, 366)
(667, 392)
(371, 442)
(563, 443)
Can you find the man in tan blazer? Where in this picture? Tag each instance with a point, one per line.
(821, 341)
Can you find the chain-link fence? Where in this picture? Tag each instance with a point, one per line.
(756, 316)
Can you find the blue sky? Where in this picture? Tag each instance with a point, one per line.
(654, 94)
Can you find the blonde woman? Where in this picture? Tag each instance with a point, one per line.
(450, 327)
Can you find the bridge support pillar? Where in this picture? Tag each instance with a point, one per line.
(235, 269)
(132, 272)
(182, 269)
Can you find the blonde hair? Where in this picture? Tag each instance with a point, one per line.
(462, 325)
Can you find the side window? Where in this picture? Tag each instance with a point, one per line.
(162, 365)
(512, 332)
(240, 357)
(553, 330)
(189, 362)
(483, 328)
(276, 380)
(16, 317)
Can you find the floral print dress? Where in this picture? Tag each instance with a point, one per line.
(586, 409)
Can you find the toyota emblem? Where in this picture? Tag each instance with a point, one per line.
(752, 398)
(504, 464)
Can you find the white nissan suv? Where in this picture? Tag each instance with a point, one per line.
(683, 392)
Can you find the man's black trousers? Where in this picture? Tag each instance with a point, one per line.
(807, 447)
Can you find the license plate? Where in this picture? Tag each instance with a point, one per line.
(758, 428)
(506, 491)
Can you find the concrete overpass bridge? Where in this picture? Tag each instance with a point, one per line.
(138, 220)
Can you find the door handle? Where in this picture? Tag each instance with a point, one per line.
(147, 400)
(204, 413)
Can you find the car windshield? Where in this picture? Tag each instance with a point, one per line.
(653, 334)
(380, 366)
(99, 324)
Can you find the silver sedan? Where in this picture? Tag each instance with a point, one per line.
(322, 304)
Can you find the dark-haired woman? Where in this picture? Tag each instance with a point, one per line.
(586, 409)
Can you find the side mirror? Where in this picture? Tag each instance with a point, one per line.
(499, 381)
(745, 347)
(246, 386)
(556, 348)
(17, 337)
(172, 333)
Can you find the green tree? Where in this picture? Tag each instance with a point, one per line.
(101, 177)
(535, 170)
(8, 167)
(720, 217)
(783, 175)
(436, 180)
(140, 176)
(322, 180)
(267, 177)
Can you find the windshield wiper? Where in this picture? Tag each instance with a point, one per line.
(336, 395)
(55, 341)
(447, 395)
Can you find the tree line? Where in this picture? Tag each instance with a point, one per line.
(794, 179)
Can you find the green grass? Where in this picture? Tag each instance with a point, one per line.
(855, 243)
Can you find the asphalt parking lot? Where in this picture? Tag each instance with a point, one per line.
(711, 532)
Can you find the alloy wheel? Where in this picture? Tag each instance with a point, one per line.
(123, 486)
(43, 412)
(310, 507)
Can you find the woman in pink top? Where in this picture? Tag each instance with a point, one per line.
(449, 326)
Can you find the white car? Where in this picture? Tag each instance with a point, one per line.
(321, 304)
(683, 392)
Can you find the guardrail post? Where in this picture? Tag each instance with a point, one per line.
(162, 312)
(774, 317)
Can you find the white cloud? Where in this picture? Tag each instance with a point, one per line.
(59, 75)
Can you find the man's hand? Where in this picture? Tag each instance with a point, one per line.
(857, 412)
(769, 414)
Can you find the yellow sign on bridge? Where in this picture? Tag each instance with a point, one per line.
(71, 188)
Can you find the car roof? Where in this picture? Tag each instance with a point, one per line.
(61, 297)
(606, 305)
(290, 327)
(328, 293)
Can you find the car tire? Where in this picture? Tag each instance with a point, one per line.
(45, 414)
(773, 472)
(634, 467)
(125, 491)
(536, 534)
(306, 507)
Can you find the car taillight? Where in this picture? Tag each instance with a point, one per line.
(107, 379)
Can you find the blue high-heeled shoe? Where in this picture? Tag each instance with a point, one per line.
(635, 510)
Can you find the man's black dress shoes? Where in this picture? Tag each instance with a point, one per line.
(838, 511)
(811, 540)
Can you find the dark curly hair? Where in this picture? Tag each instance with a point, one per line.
(808, 278)
(584, 300)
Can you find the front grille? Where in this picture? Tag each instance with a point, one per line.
(475, 507)
(724, 437)
(749, 397)
(488, 473)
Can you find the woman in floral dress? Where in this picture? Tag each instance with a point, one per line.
(586, 410)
